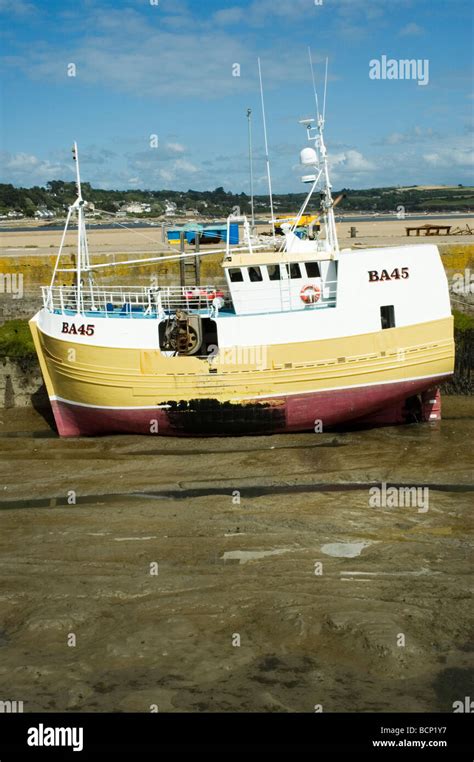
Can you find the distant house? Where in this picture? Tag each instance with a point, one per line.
(43, 213)
(137, 208)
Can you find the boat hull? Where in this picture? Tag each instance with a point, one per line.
(384, 404)
(308, 386)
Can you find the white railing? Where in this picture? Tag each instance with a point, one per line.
(155, 302)
(124, 301)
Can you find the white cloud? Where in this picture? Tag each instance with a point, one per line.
(451, 156)
(352, 161)
(228, 16)
(175, 147)
(414, 135)
(123, 51)
(166, 175)
(185, 166)
(27, 169)
(412, 30)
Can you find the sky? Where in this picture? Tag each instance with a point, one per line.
(111, 74)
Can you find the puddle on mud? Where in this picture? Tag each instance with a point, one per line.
(246, 491)
(344, 549)
(243, 556)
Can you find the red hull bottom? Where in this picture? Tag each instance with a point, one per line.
(378, 405)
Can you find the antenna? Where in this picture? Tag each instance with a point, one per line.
(314, 83)
(75, 156)
(266, 151)
(325, 89)
(249, 118)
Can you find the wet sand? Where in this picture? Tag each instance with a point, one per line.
(228, 568)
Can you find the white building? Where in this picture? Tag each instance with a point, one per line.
(137, 208)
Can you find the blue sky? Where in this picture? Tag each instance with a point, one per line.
(165, 68)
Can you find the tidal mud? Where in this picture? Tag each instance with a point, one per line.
(236, 574)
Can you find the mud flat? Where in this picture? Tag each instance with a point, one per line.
(237, 529)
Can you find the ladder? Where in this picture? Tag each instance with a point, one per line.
(189, 267)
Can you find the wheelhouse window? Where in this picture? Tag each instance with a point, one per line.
(312, 270)
(255, 274)
(387, 316)
(235, 275)
(274, 272)
(295, 270)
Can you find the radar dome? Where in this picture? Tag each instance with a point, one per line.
(308, 156)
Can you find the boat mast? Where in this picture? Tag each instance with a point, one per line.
(83, 261)
(327, 202)
(267, 158)
(252, 213)
(78, 206)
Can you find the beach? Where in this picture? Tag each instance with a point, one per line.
(370, 232)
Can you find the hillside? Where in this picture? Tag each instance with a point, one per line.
(54, 198)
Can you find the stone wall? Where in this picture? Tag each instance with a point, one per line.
(21, 383)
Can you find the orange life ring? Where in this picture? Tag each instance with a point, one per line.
(310, 294)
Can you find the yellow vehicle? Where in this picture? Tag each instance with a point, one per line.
(304, 221)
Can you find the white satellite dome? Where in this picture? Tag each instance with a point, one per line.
(308, 156)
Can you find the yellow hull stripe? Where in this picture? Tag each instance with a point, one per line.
(121, 378)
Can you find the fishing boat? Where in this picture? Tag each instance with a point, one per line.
(304, 336)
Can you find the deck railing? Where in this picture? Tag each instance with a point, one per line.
(132, 302)
(155, 302)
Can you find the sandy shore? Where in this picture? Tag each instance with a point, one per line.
(371, 232)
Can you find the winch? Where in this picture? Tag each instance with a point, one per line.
(183, 333)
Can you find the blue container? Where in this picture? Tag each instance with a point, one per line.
(173, 236)
(207, 234)
(233, 232)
